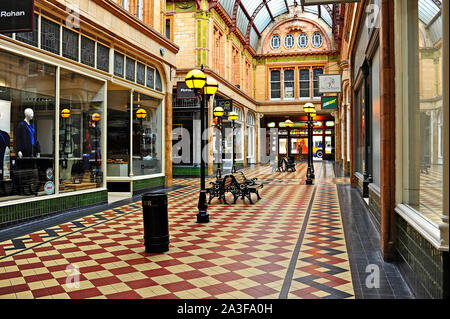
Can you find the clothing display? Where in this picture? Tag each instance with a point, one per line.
(26, 140)
(4, 143)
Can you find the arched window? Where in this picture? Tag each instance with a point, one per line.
(317, 40)
(289, 41)
(275, 42)
(303, 40)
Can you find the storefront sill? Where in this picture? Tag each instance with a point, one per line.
(134, 178)
(48, 197)
(422, 225)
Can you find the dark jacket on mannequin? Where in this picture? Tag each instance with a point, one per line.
(24, 141)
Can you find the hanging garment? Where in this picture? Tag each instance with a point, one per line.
(27, 140)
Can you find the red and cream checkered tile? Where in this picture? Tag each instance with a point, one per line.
(244, 252)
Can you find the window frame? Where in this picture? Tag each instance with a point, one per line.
(289, 36)
(314, 36)
(279, 41)
(271, 82)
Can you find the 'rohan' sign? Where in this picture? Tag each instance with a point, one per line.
(16, 16)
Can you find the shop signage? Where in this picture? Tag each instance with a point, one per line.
(329, 103)
(49, 188)
(330, 83)
(183, 92)
(16, 16)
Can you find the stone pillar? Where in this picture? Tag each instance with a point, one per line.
(337, 130)
(168, 140)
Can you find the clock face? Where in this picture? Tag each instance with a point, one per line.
(49, 173)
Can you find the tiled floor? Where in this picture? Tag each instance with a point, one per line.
(290, 244)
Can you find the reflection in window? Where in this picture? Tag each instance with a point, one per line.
(425, 188)
(27, 107)
(147, 135)
(80, 133)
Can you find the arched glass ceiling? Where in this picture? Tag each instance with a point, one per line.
(430, 15)
(253, 16)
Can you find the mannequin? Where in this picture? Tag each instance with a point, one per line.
(4, 143)
(27, 144)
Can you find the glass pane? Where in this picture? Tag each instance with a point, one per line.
(282, 146)
(80, 135)
(426, 131)
(27, 123)
(87, 51)
(140, 74)
(102, 57)
(119, 132)
(150, 78)
(158, 82)
(118, 64)
(147, 135)
(289, 84)
(316, 73)
(70, 44)
(30, 37)
(131, 69)
(50, 36)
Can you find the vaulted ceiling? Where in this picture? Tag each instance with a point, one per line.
(252, 17)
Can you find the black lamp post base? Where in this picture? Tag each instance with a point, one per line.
(309, 182)
(313, 176)
(202, 218)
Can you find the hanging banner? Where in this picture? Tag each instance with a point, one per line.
(329, 103)
(16, 16)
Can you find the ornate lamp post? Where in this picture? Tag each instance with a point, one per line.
(233, 116)
(309, 109)
(313, 116)
(203, 87)
(218, 113)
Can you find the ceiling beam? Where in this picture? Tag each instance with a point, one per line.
(287, 6)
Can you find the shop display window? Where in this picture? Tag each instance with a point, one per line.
(118, 132)
(80, 134)
(147, 135)
(27, 125)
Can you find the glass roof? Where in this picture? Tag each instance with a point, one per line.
(257, 11)
(429, 14)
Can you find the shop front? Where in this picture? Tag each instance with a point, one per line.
(293, 142)
(78, 117)
(52, 138)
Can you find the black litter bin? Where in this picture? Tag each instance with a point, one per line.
(156, 222)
